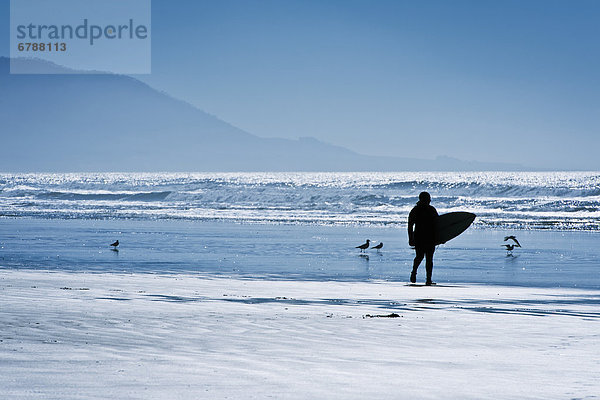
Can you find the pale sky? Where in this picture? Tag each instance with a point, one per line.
(515, 81)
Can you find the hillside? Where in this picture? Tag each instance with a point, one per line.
(106, 122)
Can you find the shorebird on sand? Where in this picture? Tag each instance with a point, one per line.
(364, 246)
(115, 244)
(378, 247)
(509, 248)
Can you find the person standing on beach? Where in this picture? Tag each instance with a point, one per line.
(421, 235)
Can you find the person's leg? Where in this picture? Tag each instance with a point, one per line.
(429, 263)
(420, 253)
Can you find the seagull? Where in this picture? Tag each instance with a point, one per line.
(363, 246)
(378, 247)
(115, 244)
(509, 248)
(513, 238)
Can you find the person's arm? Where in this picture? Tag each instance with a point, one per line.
(411, 234)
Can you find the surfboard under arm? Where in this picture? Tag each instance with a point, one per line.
(450, 225)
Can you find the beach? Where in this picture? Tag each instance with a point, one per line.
(250, 285)
(216, 310)
(300, 200)
(190, 336)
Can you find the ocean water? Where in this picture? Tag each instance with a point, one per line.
(515, 200)
(302, 225)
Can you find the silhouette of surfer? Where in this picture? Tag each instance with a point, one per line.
(421, 235)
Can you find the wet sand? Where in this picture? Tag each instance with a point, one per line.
(77, 335)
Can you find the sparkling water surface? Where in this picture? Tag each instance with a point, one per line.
(519, 200)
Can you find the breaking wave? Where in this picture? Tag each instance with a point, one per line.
(548, 200)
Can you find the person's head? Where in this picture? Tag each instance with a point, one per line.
(424, 198)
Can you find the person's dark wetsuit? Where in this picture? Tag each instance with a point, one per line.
(423, 218)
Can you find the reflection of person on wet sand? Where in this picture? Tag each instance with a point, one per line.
(421, 235)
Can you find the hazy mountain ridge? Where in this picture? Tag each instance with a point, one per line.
(107, 122)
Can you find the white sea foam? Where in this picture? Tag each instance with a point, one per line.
(556, 200)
